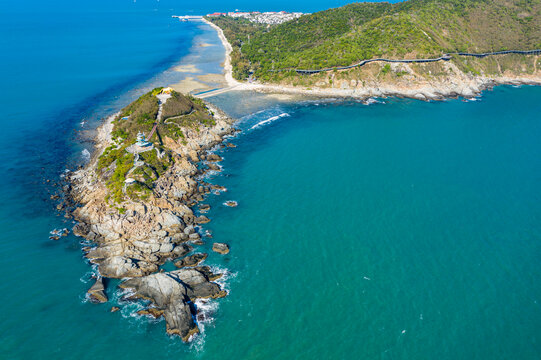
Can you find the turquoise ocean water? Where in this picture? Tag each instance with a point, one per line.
(398, 229)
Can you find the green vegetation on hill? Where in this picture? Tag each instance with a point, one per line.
(409, 29)
(115, 163)
(238, 31)
(177, 105)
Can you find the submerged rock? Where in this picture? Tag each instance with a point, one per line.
(155, 313)
(96, 293)
(114, 309)
(57, 233)
(173, 293)
(220, 248)
(231, 203)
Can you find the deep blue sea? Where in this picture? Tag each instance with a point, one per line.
(398, 229)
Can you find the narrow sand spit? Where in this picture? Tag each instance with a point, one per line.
(189, 85)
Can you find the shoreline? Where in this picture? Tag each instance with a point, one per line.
(228, 67)
(460, 86)
(427, 91)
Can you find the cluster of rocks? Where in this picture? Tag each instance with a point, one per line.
(135, 241)
(57, 233)
(172, 295)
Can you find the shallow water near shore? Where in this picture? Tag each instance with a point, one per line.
(396, 230)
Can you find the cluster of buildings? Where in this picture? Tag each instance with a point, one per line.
(269, 17)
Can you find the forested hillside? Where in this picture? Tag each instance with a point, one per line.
(410, 29)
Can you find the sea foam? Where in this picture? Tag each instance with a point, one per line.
(85, 154)
(269, 120)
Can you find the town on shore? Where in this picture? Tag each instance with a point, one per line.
(267, 17)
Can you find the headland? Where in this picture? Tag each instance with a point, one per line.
(135, 199)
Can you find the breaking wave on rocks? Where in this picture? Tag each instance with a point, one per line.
(207, 308)
(85, 154)
(371, 101)
(128, 308)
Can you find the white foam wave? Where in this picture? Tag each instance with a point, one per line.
(269, 120)
(207, 308)
(88, 277)
(227, 275)
(371, 101)
(85, 154)
(64, 173)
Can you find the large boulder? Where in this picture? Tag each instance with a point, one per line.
(173, 292)
(169, 220)
(96, 293)
(213, 166)
(81, 229)
(220, 248)
(118, 267)
(214, 157)
(202, 219)
(191, 260)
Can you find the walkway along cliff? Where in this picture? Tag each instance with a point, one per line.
(445, 57)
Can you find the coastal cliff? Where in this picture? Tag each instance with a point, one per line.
(135, 200)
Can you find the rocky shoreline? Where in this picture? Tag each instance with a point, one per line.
(467, 87)
(131, 240)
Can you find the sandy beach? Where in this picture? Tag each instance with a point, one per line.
(189, 85)
(228, 68)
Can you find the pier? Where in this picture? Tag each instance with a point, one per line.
(188, 17)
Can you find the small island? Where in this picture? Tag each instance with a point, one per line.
(135, 201)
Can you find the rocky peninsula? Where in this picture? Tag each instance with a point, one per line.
(135, 198)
